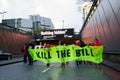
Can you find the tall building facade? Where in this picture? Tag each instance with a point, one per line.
(29, 25)
(19, 23)
(41, 22)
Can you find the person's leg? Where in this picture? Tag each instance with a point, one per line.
(30, 60)
(77, 63)
(48, 64)
(63, 64)
(25, 59)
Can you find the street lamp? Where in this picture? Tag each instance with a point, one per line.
(3, 14)
(63, 24)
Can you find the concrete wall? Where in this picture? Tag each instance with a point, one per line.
(12, 42)
(105, 24)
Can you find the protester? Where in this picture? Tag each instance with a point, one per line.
(96, 42)
(30, 46)
(46, 45)
(82, 44)
(39, 46)
(62, 44)
(25, 53)
(77, 43)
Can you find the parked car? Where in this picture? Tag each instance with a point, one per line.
(4, 55)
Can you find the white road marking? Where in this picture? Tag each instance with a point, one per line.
(47, 68)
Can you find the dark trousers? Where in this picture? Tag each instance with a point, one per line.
(30, 60)
(78, 62)
(25, 58)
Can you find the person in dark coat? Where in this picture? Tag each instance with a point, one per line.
(82, 44)
(30, 60)
(25, 53)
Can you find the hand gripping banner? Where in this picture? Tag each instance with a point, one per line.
(68, 53)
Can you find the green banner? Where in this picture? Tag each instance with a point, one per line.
(68, 53)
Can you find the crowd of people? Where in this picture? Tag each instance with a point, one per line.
(27, 57)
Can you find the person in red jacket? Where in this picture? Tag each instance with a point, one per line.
(77, 43)
(25, 53)
(96, 42)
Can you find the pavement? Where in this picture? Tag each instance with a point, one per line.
(114, 66)
(11, 61)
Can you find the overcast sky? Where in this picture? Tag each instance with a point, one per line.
(57, 10)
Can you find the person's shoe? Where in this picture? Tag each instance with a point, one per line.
(48, 64)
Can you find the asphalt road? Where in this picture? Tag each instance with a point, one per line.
(39, 71)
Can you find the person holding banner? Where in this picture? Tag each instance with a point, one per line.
(96, 42)
(30, 59)
(39, 46)
(46, 45)
(62, 44)
(77, 43)
(82, 44)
